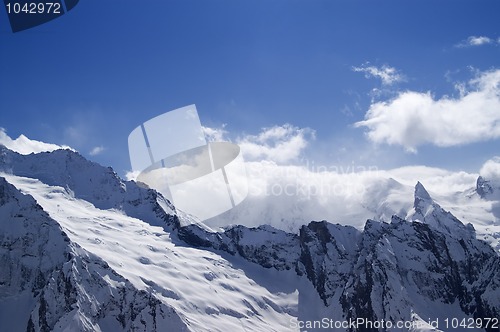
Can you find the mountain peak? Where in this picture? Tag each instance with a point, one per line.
(487, 189)
(82, 250)
(421, 192)
(427, 211)
(422, 199)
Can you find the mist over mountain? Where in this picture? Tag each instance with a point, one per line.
(83, 250)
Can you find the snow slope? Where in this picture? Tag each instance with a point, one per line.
(49, 283)
(350, 198)
(207, 291)
(81, 249)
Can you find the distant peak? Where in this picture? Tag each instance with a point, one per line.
(421, 192)
(422, 199)
(483, 187)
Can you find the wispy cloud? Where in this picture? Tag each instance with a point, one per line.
(476, 41)
(388, 75)
(215, 134)
(278, 143)
(24, 145)
(97, 150)
(413, 118)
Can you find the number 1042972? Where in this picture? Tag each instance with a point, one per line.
(33, 8)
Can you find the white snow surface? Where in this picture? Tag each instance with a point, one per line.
(289, 197)
(24, 145)
(214, 291)
(209, 292)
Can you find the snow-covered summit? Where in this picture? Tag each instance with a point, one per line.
(91, 182)
(421, 193)
(24, 145)
(426, 210)
(488, 189)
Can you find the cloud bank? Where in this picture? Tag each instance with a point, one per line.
(413, 118)
(24, 145)
(288, 196)
(287, 191)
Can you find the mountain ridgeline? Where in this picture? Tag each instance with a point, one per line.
(69, 229)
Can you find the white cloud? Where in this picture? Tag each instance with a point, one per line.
(24, 145)
(475, 41)
(413, 118)
(215, 134)
(287, 196)
(388, 75)
(491, 169)
(279, 143)
(132, 175)
(437, 180)
(97, 150)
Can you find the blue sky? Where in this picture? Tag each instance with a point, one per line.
(88, 78)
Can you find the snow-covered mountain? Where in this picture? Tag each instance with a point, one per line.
(83, 250)
(488, 189)
(287, 197)
(353, 198)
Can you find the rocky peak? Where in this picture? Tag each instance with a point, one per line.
(422, 199)
(487, 188)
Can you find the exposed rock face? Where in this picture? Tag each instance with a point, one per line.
(65, 286)
(264, 245)
(405, 266)
(391, 272)
(427, 266)
(488, 189)
(327, 256)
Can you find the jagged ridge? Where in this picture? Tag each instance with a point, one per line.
(66, 287)
(410, 269)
